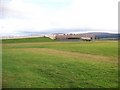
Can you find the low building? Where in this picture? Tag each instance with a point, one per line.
(86, 37)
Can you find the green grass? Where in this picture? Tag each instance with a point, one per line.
(26, 40)
(60, 64)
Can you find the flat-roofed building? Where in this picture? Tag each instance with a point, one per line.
(87, 37)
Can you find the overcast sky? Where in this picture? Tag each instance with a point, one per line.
(46, 15)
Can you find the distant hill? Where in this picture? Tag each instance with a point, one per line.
(101, 35)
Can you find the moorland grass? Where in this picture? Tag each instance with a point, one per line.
(60, 64)
(26, 40)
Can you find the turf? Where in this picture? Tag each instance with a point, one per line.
(26, 40)
(60, 64)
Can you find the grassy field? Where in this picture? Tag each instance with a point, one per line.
(25, 40)
(29, 63)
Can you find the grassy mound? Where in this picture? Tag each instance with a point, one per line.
(26, 40)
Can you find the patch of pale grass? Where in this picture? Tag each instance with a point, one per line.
(74, 55)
